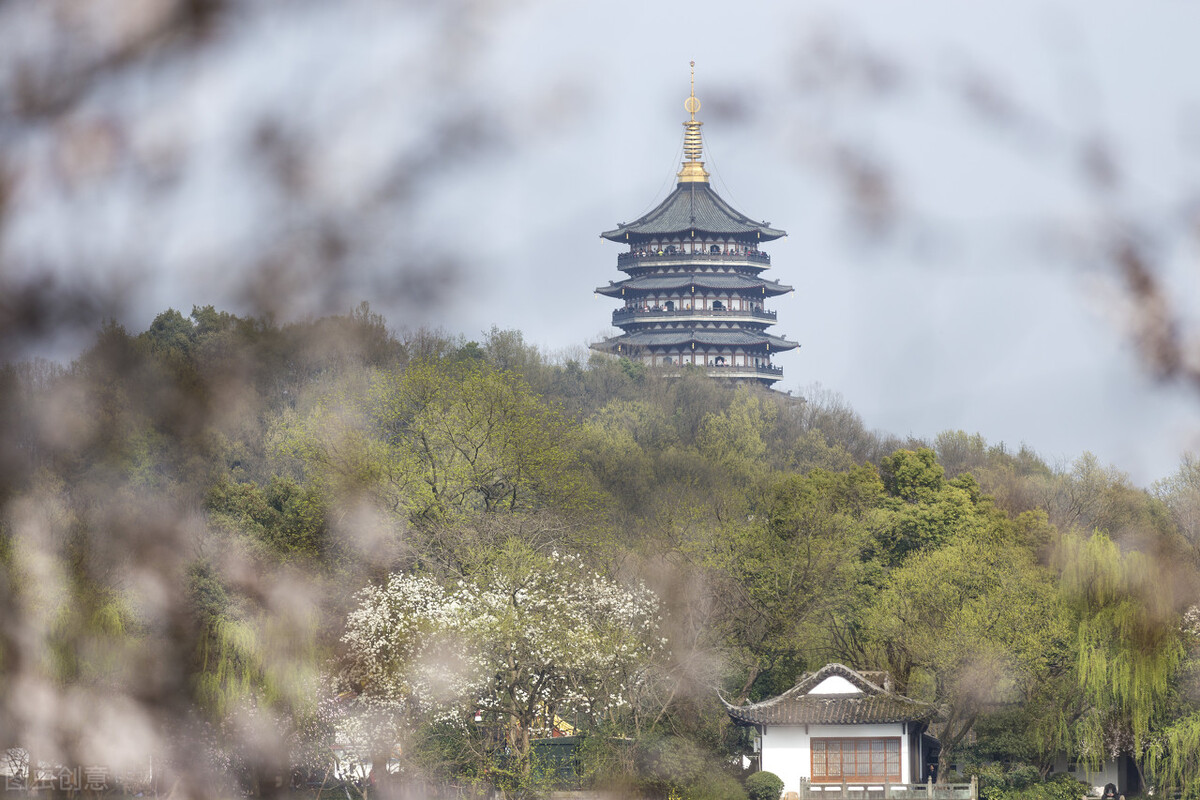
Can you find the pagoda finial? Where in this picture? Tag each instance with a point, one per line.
(693, 147)
(692, 104)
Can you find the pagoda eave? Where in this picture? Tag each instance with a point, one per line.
(691, 283)
(693, 211)
(724, 339)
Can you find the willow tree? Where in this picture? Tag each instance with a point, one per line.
(1173, 759)
(1129, 642)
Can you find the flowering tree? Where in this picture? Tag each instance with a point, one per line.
(524, 641)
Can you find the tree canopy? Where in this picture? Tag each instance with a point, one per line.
(344, 535)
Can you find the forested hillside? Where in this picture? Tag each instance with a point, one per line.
(232, 544)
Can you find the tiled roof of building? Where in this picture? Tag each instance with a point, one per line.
(721, 281)
(692, 207)
(716, 337)
(799, 706)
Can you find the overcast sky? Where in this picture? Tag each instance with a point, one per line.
(925, 159)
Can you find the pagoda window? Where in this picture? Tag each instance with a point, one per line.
(669, 305)
(718, 305)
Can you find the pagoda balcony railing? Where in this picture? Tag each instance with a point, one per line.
(730, 370)
(761, 369)
(663, 257)
(624, 315)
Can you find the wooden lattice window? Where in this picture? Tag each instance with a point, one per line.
(859, 759)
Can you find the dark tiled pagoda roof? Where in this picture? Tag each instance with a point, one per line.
(797, 706)
(692, 207)
(708, 280)
(716, 337)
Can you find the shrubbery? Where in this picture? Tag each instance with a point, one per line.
(1023, 782)
(764, 786)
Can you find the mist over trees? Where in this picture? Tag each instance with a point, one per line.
(255, 541)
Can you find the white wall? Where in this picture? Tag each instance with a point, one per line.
(786, 751)
(1097, 780)
(835, 684)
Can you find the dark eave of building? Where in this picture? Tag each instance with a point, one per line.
(693, 210)
(719, 281)
(709, 337)
(797, 706)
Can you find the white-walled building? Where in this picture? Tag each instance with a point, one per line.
(836, 725)
(1119, 771)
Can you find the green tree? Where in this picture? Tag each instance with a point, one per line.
(171, 331)
(785, 577)
(974, 623)
(471, 436)
(439, 440)
(733, 438)
(912, 476)
(286, 516)
(1181, 495)
(619, 444)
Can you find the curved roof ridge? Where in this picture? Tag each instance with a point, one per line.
(798, 705)
(693, 206)
(841, 670)
(809, 680)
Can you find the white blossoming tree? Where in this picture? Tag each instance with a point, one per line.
(525, 640)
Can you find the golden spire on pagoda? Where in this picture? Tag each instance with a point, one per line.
(693, 147)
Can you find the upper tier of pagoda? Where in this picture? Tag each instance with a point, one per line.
(692, 211)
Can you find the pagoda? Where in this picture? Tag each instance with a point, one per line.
(695, 295)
